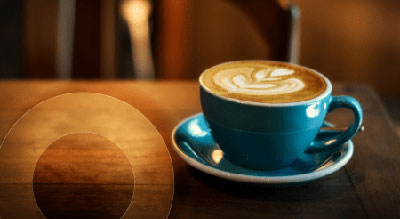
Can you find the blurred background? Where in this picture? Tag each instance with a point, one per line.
(350, 41)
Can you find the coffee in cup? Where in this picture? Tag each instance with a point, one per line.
(265, 114)
(265, 82)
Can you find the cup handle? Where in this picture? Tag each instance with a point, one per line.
(339, 102)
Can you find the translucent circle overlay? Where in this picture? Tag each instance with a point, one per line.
(83, 176)
(95, 113)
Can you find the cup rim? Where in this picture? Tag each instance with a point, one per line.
(327, 91)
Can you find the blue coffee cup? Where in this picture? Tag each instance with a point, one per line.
(272, 135)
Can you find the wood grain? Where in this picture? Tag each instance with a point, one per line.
(83, 200)
(374, 170)
(78, 113)
(367, 187)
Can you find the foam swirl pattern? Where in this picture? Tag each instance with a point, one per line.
(258, 81)
(263, 81)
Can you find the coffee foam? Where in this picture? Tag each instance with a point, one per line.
(257, 81)
(263, 81)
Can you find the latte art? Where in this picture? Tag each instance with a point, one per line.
(259, 81)
(263, 81)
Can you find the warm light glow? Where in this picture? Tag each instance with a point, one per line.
(136, 11)
(330, 160)
(217, 155)
(136, 14)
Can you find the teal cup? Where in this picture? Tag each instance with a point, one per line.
(269, 136)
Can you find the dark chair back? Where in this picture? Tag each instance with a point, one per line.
(198, 34)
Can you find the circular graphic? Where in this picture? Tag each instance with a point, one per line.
(74, 113)
(83, 176)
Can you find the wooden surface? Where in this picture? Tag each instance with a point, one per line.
(367, 187)
(64, 118)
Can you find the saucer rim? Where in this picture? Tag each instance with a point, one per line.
(297, 178)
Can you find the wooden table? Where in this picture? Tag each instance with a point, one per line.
(369, 186)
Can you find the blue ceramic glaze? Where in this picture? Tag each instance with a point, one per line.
(193, 142)
(271, 136)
